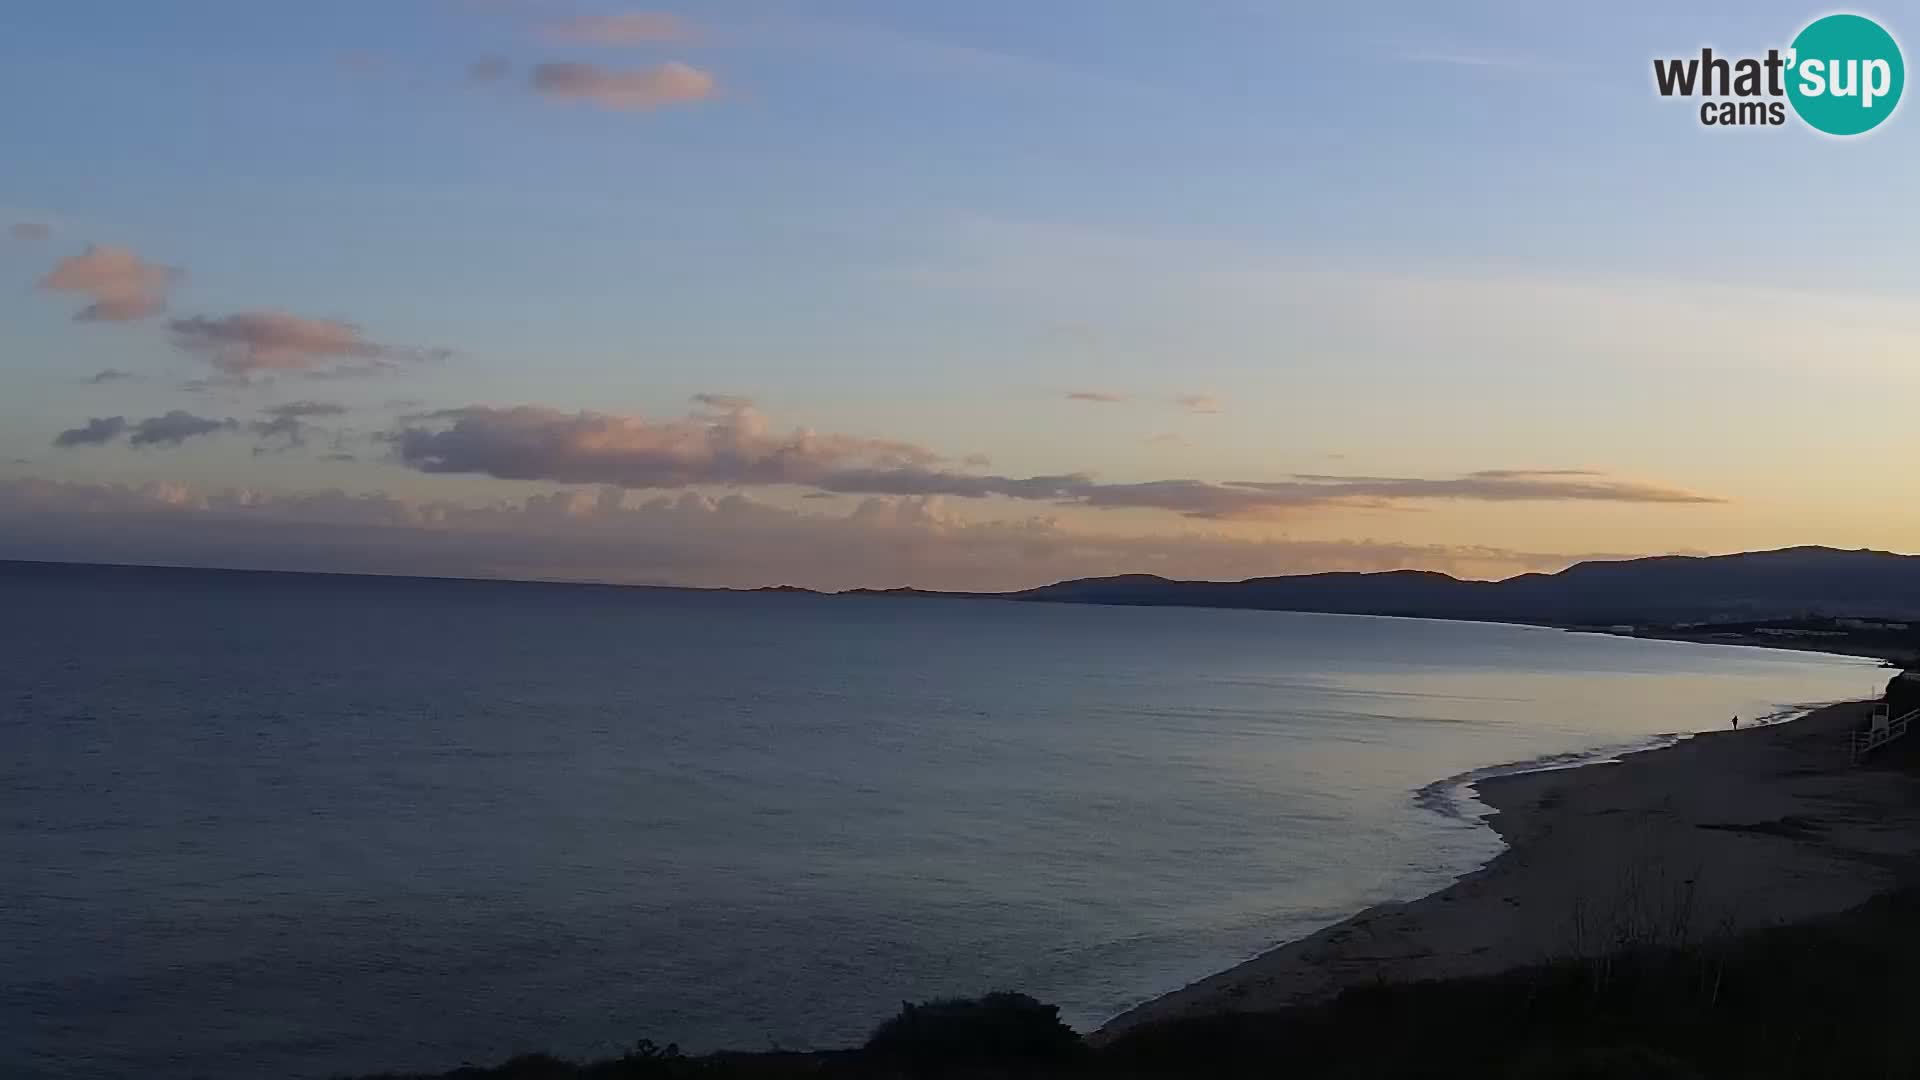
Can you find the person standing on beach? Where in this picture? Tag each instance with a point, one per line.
(1736, 721)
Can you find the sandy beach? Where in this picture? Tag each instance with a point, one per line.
(1722, 832)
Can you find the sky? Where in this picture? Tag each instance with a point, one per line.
(965, 296)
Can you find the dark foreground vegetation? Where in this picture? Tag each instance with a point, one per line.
(1837, 997)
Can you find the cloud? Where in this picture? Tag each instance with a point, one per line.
(1198, 403)
(287, 429)
(170, 429)
(489, 69)
(96, 432)
(1166, 438)
(29, 230)
(240, 345)
(111, 375)
(632, 28)
(642, 89)
(1198, 499)
(737, 447)
(1252, 499)
(687, 538)
(278, 434)
(724, 402)
(1097, 396)
(306, 408)
(1062, 488)
(175, 428)
(731, 447)
(121, 285)
(1490, 485)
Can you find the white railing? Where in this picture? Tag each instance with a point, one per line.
(1882, 732)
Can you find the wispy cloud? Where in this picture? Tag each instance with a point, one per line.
(287, 426)
(282, 433)
(29, 230)
(634, 90)
(1489, 485)
(1198, 403)
(1101, 397)
(110, 375)
(241, 345)
(724, 402)
(300, 409)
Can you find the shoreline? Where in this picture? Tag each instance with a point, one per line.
(1716, 833)
(1889, 655)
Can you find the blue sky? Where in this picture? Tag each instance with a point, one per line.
(1381, 241)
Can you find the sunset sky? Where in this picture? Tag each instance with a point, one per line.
(972, 295)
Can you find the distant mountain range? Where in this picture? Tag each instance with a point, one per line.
(1787, 583)
(1757, 586)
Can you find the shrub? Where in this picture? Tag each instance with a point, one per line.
(998, 1028)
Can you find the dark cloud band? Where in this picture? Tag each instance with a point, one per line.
(734, 447)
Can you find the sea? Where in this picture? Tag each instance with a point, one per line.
(304, 826)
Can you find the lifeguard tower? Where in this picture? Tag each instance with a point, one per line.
(1884, 727)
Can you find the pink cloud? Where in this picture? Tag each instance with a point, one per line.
(671, 83)
(734, 446)
(1097, 396)
(731, 446)
(121, 285)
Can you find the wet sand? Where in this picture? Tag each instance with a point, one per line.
(1723, 832)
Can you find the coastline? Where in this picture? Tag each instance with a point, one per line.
(1890, 654)
(1718, 833)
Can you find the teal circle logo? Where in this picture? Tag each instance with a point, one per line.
(1845, 74)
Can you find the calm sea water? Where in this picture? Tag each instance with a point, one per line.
(261, 825)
